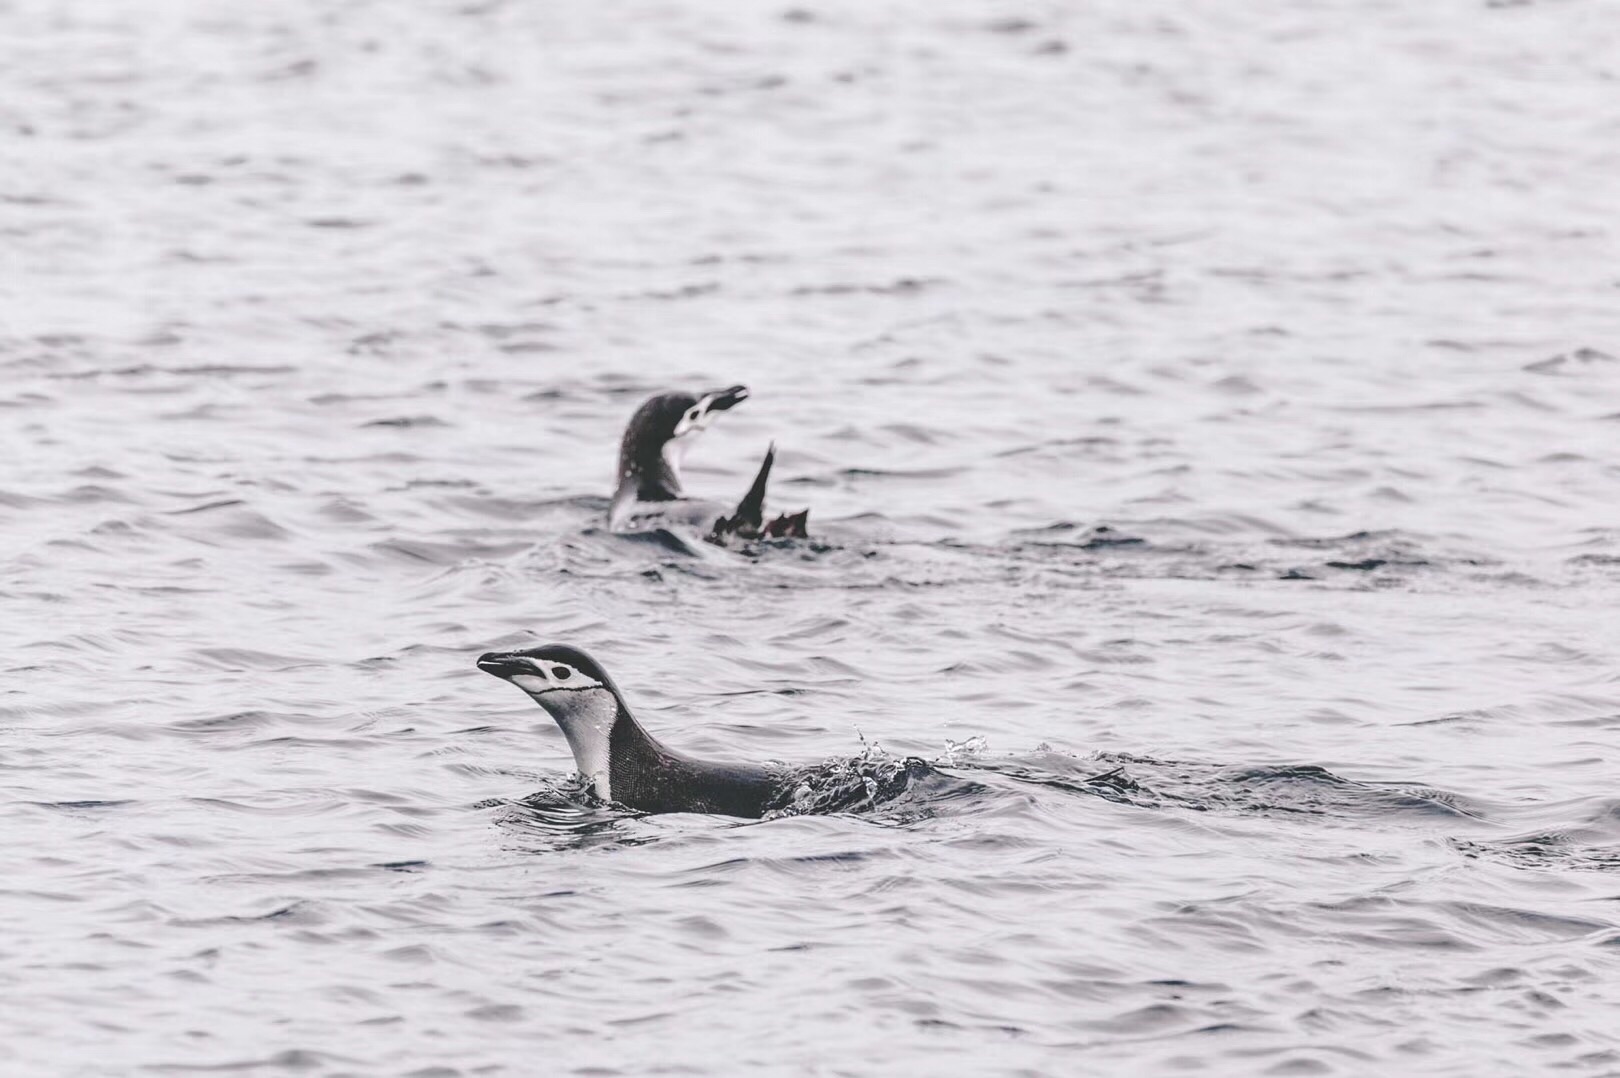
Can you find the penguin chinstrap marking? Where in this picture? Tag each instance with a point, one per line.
(621, 761)
(650, 495)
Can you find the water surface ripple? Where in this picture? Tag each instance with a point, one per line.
(1205, 660)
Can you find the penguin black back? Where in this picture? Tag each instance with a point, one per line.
(641, 451)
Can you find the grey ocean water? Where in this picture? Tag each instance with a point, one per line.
(1208, 417)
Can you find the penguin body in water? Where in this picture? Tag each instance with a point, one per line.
(620, 760)
(650, 494)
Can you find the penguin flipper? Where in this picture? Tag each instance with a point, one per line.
(749, 519)
(751, 510)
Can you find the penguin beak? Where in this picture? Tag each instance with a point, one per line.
(503, 664)
(721, 399)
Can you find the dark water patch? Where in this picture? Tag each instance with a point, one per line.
(501, 331)
(408, 422)
(319, 744)
(1362, 552)
(1568, 363)
(327, 399)
(1335, 542)
(13, 500)
(1596, 561)
(1595, 722)
(686, 291)
(345, 511)
(1360, 560)
(1092, 447)
(1419, 408)
(785, 691)
(220, 370)
(296, 1060)
(206, 507)
(896, 473)
(82, 806)
(1065, 533)
(94, 494)
(429, 484)
(903, 286)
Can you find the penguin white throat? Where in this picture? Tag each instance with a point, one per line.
(586, 715)
(673, 454)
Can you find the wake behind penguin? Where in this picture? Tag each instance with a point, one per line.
(649, 494)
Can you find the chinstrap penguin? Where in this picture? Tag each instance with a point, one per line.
(649, 494)
(621, 761)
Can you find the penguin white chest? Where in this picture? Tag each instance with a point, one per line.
(586, 717)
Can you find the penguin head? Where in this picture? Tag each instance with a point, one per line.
(556, 671)
(693, 414)
(664, 426)
(577, 693)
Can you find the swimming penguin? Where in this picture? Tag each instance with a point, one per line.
(649, 493)
(621, 761)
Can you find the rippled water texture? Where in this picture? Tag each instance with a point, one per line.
(1207, 414)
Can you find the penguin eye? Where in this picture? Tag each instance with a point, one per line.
(692, 416)
(561, 673)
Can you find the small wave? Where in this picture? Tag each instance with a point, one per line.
(1583, 834)
(866, 782)
(565, 814)
(407, 422)
(1267, 789)
(1065, 533)
(1542, 851)
(659, 538)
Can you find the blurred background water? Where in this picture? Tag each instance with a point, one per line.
(1207, 417)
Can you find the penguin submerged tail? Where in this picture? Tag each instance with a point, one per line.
(748, 522)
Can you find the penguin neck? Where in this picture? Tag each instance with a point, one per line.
(600, 729)
(649, 470)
